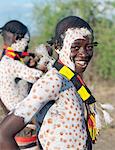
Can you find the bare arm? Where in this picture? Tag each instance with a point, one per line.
(45, 89)
(40, 94)
(26, 73)
(6, 111)
(9, 127)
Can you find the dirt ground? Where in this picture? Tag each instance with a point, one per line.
(105, 93)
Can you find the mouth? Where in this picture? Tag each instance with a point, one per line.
(81, 63)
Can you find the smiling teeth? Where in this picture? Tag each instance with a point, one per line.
(81, 62)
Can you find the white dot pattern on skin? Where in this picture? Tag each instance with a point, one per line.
(10, 92)
(63, 127)
(70, 36)
(20, 45)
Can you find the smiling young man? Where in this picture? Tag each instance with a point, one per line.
(64, 126)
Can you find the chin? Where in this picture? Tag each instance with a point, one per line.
(80, 70)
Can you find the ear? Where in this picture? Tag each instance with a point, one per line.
(14, 38)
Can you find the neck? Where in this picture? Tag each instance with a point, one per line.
(80, 74)
(6, 45)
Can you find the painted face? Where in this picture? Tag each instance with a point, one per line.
(21, 45)
(75, 41)
(44, 61)
(81, 53)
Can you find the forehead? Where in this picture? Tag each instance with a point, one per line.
(81, 41)
(78, 33)
(75, 34)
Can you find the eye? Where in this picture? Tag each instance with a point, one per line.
(75, 48)
(89, 47)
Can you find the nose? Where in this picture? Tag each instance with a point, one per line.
(83, 52)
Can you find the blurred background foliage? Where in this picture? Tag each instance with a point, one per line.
(99, 14)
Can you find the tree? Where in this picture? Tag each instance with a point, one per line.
(96, 13)
(47, 16)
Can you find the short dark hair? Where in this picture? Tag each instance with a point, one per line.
(16, 27)
(64, 24)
